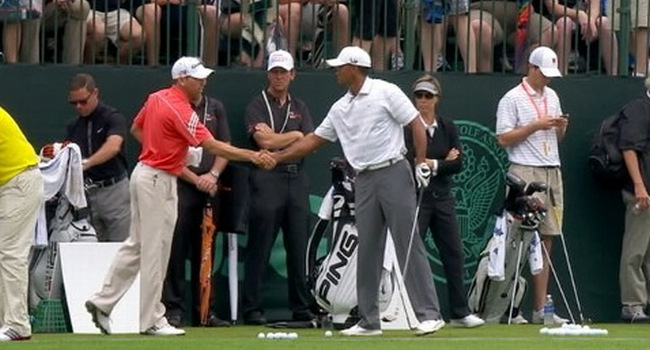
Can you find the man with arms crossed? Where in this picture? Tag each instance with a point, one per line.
(369, 121)
(166, 125)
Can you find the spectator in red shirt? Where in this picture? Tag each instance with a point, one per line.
(165, 126)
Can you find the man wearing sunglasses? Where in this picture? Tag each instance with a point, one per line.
(100, 131)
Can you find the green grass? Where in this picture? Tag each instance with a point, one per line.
(497, 337)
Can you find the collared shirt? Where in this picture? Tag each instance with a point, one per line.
(169, 125)
(91, 132)
(16, 152)
(370, 124)
(523, 105)
(294, 115)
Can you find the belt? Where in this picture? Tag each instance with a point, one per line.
(106, 182)
(381, 165)
(539, 166)
(288, 168)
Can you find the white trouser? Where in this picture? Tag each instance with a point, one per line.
(20, 200)
(153, 216)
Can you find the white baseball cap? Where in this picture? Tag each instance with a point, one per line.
(280, 58)
(546, 59)
(353, 55)
(190, 67)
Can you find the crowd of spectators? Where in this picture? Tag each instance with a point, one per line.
(460, 35)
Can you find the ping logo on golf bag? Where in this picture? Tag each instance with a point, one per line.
(345, 247)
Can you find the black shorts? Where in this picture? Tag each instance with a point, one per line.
(375, 17)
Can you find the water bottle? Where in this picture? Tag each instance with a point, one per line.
(549, 311)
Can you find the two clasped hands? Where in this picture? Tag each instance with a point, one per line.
(425, 170)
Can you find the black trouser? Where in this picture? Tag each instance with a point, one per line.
(439, 215)
(279, 200)
(186, 245)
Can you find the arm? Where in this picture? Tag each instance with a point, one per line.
(137, 133)
(517, 135)
(560, 129)
(453, 162)
(300, 148)
(268, 139)
(419, 140)
(640, 191)
(109, 149)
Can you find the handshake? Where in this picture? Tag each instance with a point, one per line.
(263, 159)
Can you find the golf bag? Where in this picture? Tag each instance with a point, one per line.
(333, 277)
(498, 275)
(64, 219)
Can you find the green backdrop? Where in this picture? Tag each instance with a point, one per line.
(36, 97)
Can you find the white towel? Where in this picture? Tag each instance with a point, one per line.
(535, 261)
(497, 249)
(194, 155)
(63, 173)
(326, 207)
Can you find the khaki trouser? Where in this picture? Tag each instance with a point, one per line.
(635, 257)
(20, 200)
(74, 36)
(153, 216)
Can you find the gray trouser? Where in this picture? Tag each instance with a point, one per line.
(386, 198)
(635, 255)
(111, 211)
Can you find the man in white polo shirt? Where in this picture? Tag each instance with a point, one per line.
(530, 126)
(368, 120)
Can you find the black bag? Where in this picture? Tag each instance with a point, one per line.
(605, 158)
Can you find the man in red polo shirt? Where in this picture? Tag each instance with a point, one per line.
(165, 126)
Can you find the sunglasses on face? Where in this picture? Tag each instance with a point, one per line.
(421, 94)
(82, 102)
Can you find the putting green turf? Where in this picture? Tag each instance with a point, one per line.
(497, 337)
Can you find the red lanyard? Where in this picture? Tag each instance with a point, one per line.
(539, 114)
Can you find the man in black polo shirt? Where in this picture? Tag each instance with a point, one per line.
(100, 132)
(280, 197)
(196, 186)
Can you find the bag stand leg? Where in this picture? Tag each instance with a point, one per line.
(517, 273)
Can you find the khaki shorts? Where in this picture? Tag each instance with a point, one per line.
(114, 21)
(552, 177)
(502, 16)
(638, 13)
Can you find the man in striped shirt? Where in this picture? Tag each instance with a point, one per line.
(368, 120)
(165, 126)
(530, 126)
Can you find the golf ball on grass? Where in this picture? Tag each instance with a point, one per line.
(328, 333)
(261, 335)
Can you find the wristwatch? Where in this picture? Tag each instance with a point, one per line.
(214, 173)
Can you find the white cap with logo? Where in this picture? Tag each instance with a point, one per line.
(190, 67)
(353, 55)
(280, 58)
(546, 59)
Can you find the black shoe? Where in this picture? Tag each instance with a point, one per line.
(175, 320)
(254, 318)
(303, 316)
(214, 321)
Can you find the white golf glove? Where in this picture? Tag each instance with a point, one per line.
(422, 175)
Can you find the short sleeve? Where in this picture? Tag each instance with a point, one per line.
(506, 115)
(401, 107)
(326, 129)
